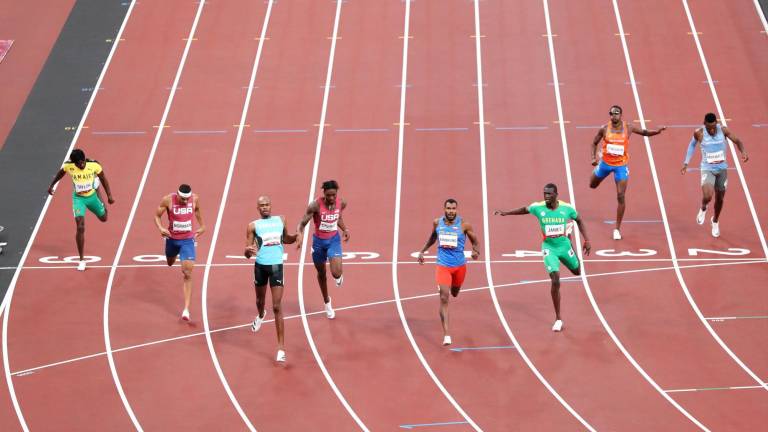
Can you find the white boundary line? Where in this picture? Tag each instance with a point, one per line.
(396, 226)
(761, 15)
(147, 167)
(662, 206)
(487, 235)
(585, 281)
(220, 216)
(358, 306)
(721, 114)
(5, 307)
(315, 169)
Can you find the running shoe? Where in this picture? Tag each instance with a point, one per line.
(329, 310)
(558, 326)
(446, 340)
(256, 324)
(280, 356)
(185, 315)
(81, 265)
(700, 216)
(616, 235)
(715, 228)
(339, 281)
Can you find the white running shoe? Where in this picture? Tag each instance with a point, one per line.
(185, 315)
(339, 281)
(329, 310)
(81, 266)
(446, 340)
(616, 235)
(715, 228)
(558, 326)
(700, 216)
(280, 356)
(256, 324)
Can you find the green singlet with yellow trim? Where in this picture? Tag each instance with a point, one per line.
(555, 244)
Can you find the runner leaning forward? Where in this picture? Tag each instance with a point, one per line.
(265, 238)
(553, 216)
(86, 175)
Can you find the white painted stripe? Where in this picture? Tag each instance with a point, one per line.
(761, 15)
(315, 168)
(396, 226)
(486, 226)
(5, 307)
(351, 307)
(577, 234)
(220, 218)
(134, 207)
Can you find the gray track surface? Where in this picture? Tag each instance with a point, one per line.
(38, 141)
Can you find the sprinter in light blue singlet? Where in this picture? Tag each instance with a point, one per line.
(265, 238)
(714, 165)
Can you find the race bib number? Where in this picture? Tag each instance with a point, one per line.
(328, 226)
(715, 157)
(449, 240)
(554, 230)
(182, 226)
(271, 239)
(615, 150)
(83, 187)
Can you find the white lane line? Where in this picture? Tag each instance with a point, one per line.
(220, 217)
(729, 318)
(5, 307)
(315, 169)
(721, 114)
(713, 388)
(396, 225)
(486, 228)
(134, 207)
(662, 206)
(351, 307)
(761, 15)
(587, 288)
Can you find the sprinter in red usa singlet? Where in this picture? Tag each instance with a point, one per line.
(180, 236)
(325, 212)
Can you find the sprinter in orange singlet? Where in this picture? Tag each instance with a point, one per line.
(614, 158)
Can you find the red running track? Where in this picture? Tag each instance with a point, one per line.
(365, 351)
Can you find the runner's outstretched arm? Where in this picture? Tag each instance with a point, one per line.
(737, 141)
(514, 212)
(56, 179)
(311, 210)
(430, 241)
(103, 179)
(583, 230)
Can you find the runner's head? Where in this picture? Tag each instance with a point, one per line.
(615, 113)
(550, 193)
(330, 190)
(77, 157)
(265, 206)
(450, 206)
(710, 122)
(184, 193)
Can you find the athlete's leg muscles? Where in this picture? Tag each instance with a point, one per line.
(336, 269)
(186, 270)
(444, 318)
(80, 235)
(555, 291)
(621, 190)
(719, 198)
(261, 297)
(277, 308)
(322, 280)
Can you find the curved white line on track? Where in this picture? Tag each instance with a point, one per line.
(761, 15)
(396, 229)
(487, 236)
(312, 189)
(220, 217)
(112, 271)
(5, 307)
(585, 281)
(662, 206)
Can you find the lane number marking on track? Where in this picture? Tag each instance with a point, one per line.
(729, 251)
(68, 260)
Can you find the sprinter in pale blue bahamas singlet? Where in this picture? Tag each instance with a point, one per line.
(269, 234)
(714, 165)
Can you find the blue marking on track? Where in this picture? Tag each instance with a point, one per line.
(611, 222)
(118, 132)
(483, 348)
(522, 128)
(699, 169)
(589, 127)
(686, 126)
(411, 426)
(199, 132)
(760, 125)
(438, 129)
(279, 130)
(363, 130)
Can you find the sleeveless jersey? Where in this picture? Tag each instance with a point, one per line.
(83, 179)
(553, 222)
(180, 218)
(616, 145)
(450, 243)
(713, 149)
(327, 221)
(269, 234)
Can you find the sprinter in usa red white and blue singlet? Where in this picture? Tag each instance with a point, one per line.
(325, 212)
(180, 234)
(450, 232)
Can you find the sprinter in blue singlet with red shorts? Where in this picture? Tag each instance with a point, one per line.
(450, 233)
